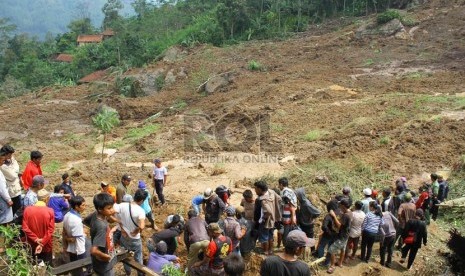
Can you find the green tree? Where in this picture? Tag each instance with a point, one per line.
(105, 121)
(110, 10)
(232, 16)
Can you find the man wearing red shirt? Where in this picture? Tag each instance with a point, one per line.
(38, 226)
(32, 169)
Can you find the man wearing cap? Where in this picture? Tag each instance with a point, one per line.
(287, 263)
(38, 226)
(32, 169)
(132, 222)
(219, 248)
(346, 194)
(343, 225)
(233, 229)
(159, 179)
(122, 188)
(146, 205)
(212, 206)
(367, 192)
(196, 237)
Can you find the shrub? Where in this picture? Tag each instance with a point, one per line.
(388, 16)
(254, 66)
(129, 87)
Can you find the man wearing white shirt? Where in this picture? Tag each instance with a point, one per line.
(132, 222)
(159, 179)
(74, 238)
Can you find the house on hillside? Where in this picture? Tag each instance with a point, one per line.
(108, 33)
(89, 39)
(95, 76)
(63, 58)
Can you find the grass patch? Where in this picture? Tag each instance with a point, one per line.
(359, 121)
(179, 104)
(24, 157)
(446, 101)
(141, 132)
(116, 144)
(368, 62)
(395, 112)
(277, 127)
(353, 172)
(417, 75)
(385, 140)
(51, 167)
(314, 135)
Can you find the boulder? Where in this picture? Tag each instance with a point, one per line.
(217, 82)
(392, 27)
(170, 78)
(173, 54)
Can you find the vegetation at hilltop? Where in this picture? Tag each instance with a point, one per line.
(27, 63)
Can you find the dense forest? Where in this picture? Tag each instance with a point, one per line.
(27, 63)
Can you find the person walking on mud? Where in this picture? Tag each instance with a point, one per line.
(414, 235)
(159, 176)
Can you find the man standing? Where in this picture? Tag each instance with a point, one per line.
(122, 188)
(6, 213)
(32, 169)
(218, 249)
(212, 206)
(74, 238)
(66, 185)
(435, 201)
(195, 237)
(132, 218)
(287, 263)
(406, 212)
(38, 226)
(343, 224)
(233, 229)
(159, 179)
(10, 170)
(269, 207)
(366, 201)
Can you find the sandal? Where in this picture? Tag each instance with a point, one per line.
(331, 270)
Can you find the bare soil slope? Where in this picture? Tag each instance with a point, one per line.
(395, 104)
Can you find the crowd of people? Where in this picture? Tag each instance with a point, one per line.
(216, 233)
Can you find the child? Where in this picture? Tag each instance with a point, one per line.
(59, 204)
(159, 179)
(248, 203)
(197, 203)
(146, 205)
(102, 251)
